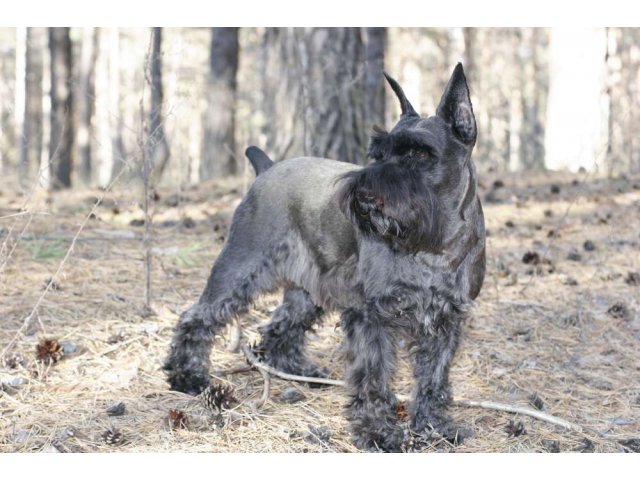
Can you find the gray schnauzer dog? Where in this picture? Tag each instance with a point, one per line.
(398, 247)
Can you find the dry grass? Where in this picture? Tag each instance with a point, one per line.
(531, 334)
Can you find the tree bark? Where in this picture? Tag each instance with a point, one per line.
(158, 148)
(374, 81)
(219, 148)
(31, 150)
(88, 57)
(314, 82)
(62, 131)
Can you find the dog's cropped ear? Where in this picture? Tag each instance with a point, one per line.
(455, 107)
(405, 105)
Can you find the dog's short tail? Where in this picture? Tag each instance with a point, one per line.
(260, 161)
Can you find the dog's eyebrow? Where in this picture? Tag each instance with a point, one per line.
(415, 139)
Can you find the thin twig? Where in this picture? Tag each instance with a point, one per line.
(232, 371)
(504, 407)
(266, 390)
(146, 176)
(253, 360)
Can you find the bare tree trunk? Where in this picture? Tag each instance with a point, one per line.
(532, 90)
(331, 59)
(281, 92)
(88, 56)
(316, 78)
(158, 148)
(28, 100)
(62, 131)
(19, 100)
(219, 148)
(374, 103)
(470, 54)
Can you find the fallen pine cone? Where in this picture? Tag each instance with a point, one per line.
(49, 351)
(113, 436)
(217, 397)
(13, 360)
(177, 419)
(515, 429)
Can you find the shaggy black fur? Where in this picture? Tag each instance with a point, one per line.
(397, 247)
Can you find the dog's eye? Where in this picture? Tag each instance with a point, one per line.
(418, 154)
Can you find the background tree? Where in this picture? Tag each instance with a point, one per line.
(86, 101)
(62, 134)
(376, 43)
(158, 147)
(305, 91)
(313, 83)
(218, 148)
(32, 131)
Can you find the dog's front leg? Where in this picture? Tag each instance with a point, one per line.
(371, 354)
(432, 356)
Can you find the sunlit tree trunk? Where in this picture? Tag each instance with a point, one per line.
(219, 146)
(108, 114)
(62, 132)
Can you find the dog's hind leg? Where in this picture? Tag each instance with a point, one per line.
(235, 279)
(283, 338)
(370, 365)
(432, 356)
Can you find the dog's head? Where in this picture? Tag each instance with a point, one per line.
(415, 184)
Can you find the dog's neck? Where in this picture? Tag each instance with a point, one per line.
(459, 232)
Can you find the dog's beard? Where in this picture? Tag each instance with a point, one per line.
(391, 202)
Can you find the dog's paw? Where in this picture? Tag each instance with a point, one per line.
(389, 439)
(190, 382)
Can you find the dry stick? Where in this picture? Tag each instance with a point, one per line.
(266, 391)
(146, 175)
(253, 360)
(503, 407)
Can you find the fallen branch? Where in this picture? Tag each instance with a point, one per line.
(253, 360)
(502, 407)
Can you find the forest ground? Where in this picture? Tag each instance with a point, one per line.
(560, 332)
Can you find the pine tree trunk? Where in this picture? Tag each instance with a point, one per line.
(19, 101)
(88, 53)
(314, 82)
(31, 150)
(374, 80)
(62, 131)
(158, 148)
(219, 148)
